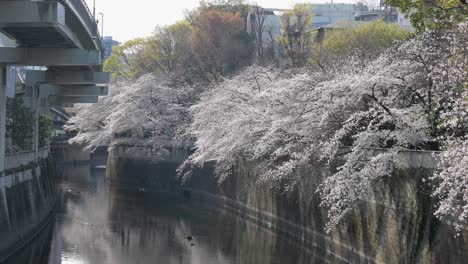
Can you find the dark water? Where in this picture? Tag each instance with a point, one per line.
(101, 223)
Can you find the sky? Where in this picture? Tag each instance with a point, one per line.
(125, 20)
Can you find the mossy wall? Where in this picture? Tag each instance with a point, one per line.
(394, 225)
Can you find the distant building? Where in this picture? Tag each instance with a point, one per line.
(389, 15)
(10, 76)
(108, 43)
(325, 17)
(324, 14)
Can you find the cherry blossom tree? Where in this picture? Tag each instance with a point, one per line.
(451, 178)
(284, 121)
(147, 115)
(357, 118)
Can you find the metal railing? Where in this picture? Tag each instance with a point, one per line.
(87, 8)
(24, 158)
(84, 13)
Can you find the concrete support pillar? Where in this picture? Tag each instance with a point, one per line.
(35, 111)
(2, 116)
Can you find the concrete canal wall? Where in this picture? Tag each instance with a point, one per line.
(74, 155)
(161, 176)
(27, 199)
(395, 225)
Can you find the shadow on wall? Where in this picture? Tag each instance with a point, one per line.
(38, 251)
(160, 176)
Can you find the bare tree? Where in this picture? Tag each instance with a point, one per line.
(296, 40)
(257, 18)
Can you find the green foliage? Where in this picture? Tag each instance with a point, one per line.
(375, 35)
(432, 13)
(127, 59)
(46, 130)
(19, 126)
(168, 50)
(19, 123)
(364, 40)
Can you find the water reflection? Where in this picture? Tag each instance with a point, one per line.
(100, 223)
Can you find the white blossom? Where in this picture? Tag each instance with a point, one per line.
(289, 123)
(148, 115)
(285, 121)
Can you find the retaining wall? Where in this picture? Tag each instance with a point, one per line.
(27, 199)
(66, 154)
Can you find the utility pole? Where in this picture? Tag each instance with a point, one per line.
(102, 25)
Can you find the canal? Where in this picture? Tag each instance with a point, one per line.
(97, 222)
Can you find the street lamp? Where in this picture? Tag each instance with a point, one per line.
(94, 10)
(102, 25)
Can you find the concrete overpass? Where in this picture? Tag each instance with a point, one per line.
(63, 38)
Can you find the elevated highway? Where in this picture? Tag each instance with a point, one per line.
(60, 24)
(62, 37)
